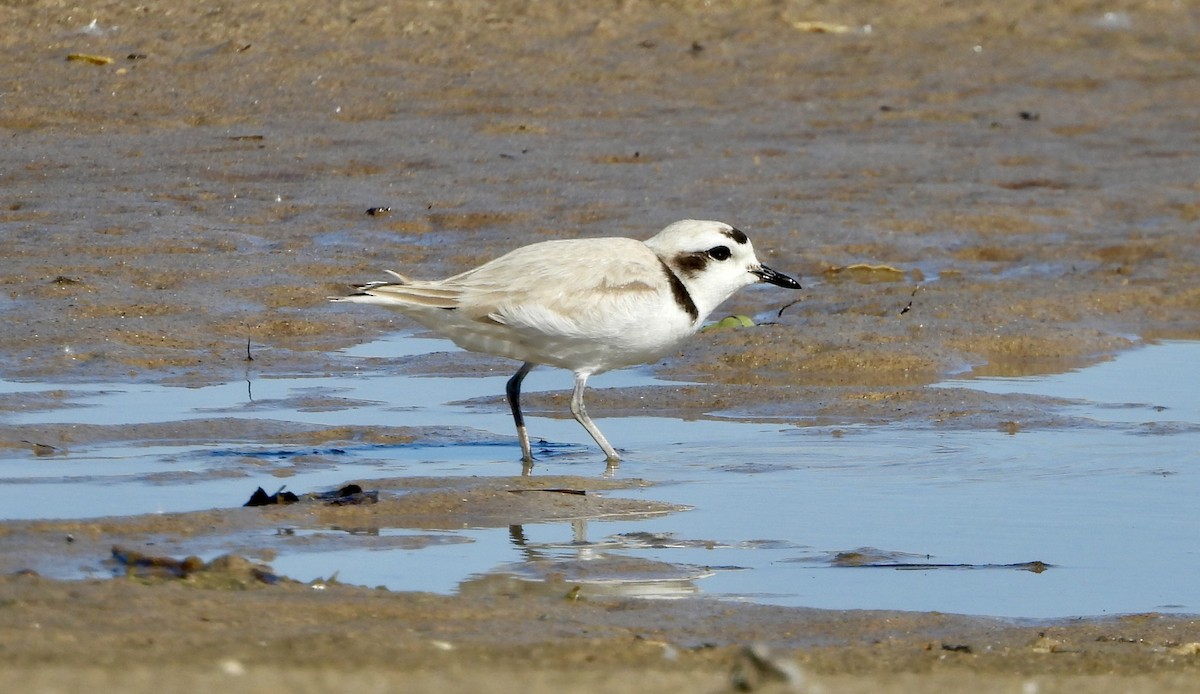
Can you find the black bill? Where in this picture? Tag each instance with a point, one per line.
(778, 279)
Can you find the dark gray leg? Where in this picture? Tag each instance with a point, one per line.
(513, 391)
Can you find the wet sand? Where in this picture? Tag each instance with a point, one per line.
(1022, 179)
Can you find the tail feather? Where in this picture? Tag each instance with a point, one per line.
(403, 291)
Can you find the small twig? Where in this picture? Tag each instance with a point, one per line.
(908, 307)
(779, 314)
(249, 357)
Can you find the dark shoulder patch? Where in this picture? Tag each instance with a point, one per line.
(680, 292)
(736, 235)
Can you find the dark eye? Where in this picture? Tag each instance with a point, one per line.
(719, 253)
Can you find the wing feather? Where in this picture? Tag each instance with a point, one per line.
(572, 288)
(560, 287)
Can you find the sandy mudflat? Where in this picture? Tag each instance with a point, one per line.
(1020, 177)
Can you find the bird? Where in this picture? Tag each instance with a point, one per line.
(587, 305)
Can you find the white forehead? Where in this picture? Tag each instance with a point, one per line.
(696, 234)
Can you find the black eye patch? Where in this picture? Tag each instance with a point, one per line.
(719, 253)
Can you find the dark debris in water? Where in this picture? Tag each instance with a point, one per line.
(279, 498)
(872, 558)
(1036, 567)
(278, 453)
(43, 449)
(226, 571)
(349, 495)
(138, 563)
(554, 490)
(841, 560)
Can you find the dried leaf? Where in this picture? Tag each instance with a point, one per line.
(867, 274)
(823, 27)
(86, 58)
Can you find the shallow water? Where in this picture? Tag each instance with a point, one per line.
(778, 511)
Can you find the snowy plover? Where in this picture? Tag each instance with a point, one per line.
(588, 305)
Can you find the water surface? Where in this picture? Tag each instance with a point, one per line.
(779, 513)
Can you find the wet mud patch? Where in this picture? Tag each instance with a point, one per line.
(204, 431)
(38, 401)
